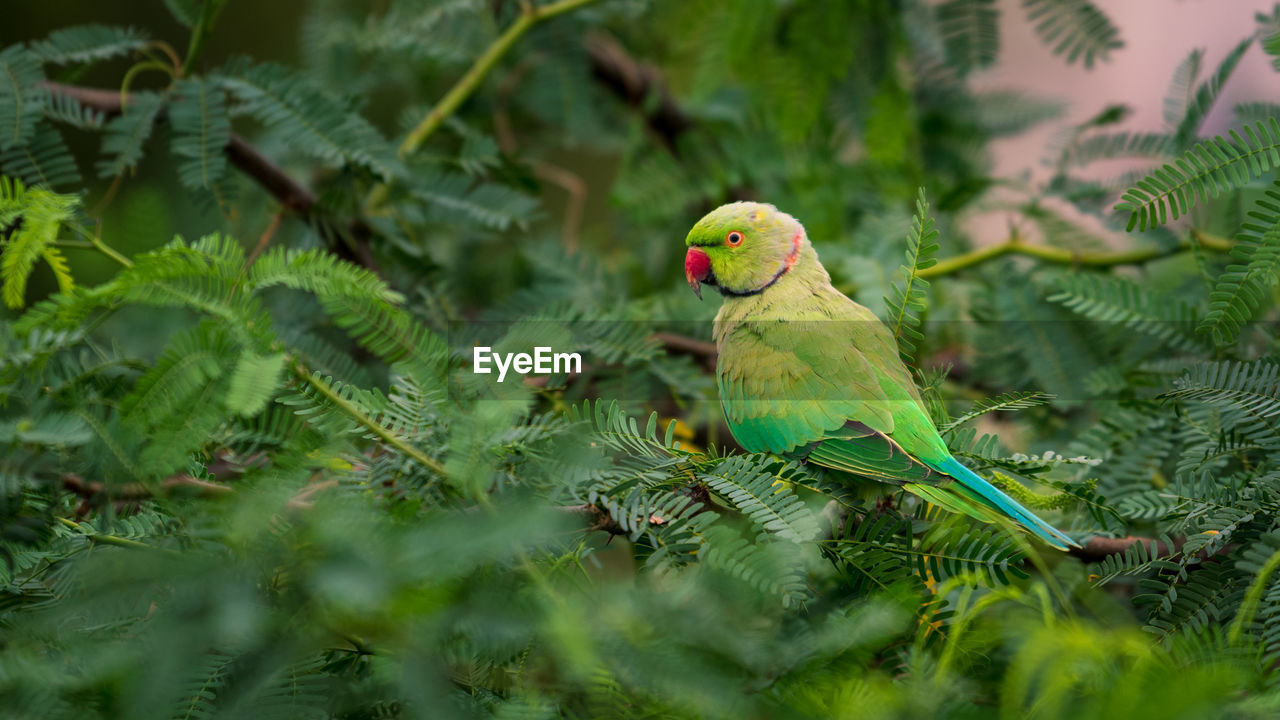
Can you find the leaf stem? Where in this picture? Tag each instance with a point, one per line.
(104, 539)
(133, 72)
(530, 15)
(467, 84)
(169, 52)
(363, 418)
(208, 16)
(102, 247)
(1252, 597)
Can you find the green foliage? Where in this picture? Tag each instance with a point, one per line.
(35, 217)
(125, 135)
(1122, 301)
(89, 43)
(19, 109)
(254, 475)
(43, 161)
(1074, 28)
(908, 300)
(201, 129)
(1008, 402)
(1243, 287)
(1198, 104)
(1207, 170)
(309, 119)
(970, 30)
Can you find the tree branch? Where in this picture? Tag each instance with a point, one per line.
(138, 491)
(704, 351)
(1099, 548)
(641, 86)
(1095, 550)
(246, 158)
(1060, 256)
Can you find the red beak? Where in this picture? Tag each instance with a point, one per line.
(697, 267)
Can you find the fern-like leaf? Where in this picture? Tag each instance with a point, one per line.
(1253, 387)
(1008, 402)
(763, 497)
(201, 130)
(1206, 95)
(45, 161)
(452, 197)
(1138, 557)
(970, 29)
(1074, 28)
(254, 382)
(1248, 113)
(1245, 284)
(949, 549)
(67, 110)
(20, 108)
(89, 43)
(43, 214)
(1207, 170)
(125, 135)
(909, 297)
(1181, 89)
(192, 361)
(620, 432)
(1004, 113)
(359, 301)
(1112, 146)
(1120, 300)
(13, 199)
(308, 118)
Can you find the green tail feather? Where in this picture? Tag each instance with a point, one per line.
(991, 495)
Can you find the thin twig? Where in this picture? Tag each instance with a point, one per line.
(105, 539)
(138, 491)
(168, 50)
(530, 15)
(570, 182)
(208, 16)
(355, 413)
(95, 239)
(264, 239)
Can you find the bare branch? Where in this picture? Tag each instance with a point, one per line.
(1098, 548)
(138, 491)
(642, 87)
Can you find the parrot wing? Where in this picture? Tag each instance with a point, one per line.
(786, 384)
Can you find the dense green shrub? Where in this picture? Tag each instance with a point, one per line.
(250, 473)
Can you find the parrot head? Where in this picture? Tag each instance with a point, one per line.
(742, 248)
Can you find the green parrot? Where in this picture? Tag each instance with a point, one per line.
(807, 373)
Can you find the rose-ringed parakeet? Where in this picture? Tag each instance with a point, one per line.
(805, 372)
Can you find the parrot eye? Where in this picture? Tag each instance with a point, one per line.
(733, 239)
